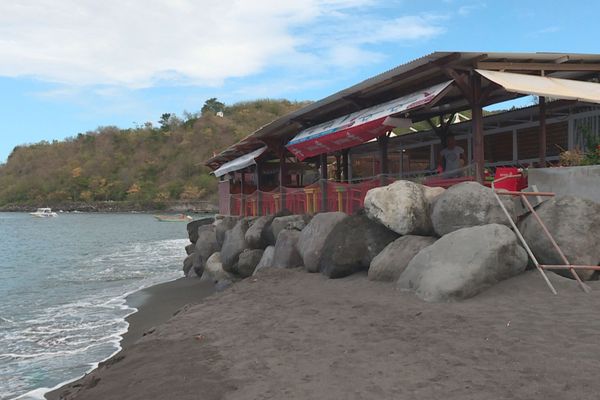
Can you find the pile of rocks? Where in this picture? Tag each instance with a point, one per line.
(444, 245)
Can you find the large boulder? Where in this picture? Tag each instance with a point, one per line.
(575, 225)
(266, 260)
(393, 260)
(285, 254)
(352, 245)
(466, 205)
(190, 248)
(312, 238)
(248, 261)
(291, 222)
(205, 247)
(192, 227)
(188, 263)
(225, 225)
(214, 270)
(233, 244)
(256, 235)
(400, 206)
(463, 263)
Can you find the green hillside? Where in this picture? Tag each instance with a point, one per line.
(147, 166)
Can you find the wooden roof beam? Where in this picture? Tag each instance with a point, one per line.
(537, 66)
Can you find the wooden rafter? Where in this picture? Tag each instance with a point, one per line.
(537, 66)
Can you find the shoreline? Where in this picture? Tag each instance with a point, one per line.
(151, 307)
(294, 335)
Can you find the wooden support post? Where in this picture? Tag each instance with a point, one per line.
(383, 153)
(282, 174)
(477, 127)
(323, 159)
(338, 168)
(345, 160)
(542, 134)
(259, 199)
(242, 196)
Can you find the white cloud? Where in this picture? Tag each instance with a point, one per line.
(137, 43)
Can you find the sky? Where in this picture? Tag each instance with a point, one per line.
(70, 66)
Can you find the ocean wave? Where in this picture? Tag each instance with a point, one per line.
(81, 331)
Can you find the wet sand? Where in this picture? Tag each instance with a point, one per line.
(156, 305)
(287, 334)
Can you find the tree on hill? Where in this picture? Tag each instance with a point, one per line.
(212, 105)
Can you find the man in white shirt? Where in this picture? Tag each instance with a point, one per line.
(452, 159)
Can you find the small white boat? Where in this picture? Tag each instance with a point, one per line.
(44, 213)
(174, 218)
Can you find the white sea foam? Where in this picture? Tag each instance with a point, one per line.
(90, 326)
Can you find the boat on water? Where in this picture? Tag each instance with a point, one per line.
(44, 213)
(173, 218)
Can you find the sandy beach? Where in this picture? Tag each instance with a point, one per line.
(287, 334)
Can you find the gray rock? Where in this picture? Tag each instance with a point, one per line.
(192, 227)
(575, 225)
(256, 235)
(266, 261)
(291, 222)
(312, 238)
(233, 245)
(214, 270)
(285, 254)
(463, 263)
(225, 225)
(188, 263)
(248, 261)
(352, 245)
(205, 247)
(400, 206)
(466, 205)
(190, 248)
(393, 260)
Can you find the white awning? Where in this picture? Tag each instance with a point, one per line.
(239, 163)
(555, 88)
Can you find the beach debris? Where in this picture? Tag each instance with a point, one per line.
(463, 263)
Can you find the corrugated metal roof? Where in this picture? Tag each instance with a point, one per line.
(423, 70)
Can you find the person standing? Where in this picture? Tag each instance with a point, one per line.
(451, 158)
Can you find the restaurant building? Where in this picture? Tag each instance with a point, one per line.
(327, 155)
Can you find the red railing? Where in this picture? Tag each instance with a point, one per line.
(339, 196)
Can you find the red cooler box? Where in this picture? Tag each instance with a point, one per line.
(511, 184)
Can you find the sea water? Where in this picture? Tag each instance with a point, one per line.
(63, 283)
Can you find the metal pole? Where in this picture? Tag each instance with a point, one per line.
(522, 240)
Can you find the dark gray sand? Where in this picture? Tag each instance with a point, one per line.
(156, 304)
(287, 334)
